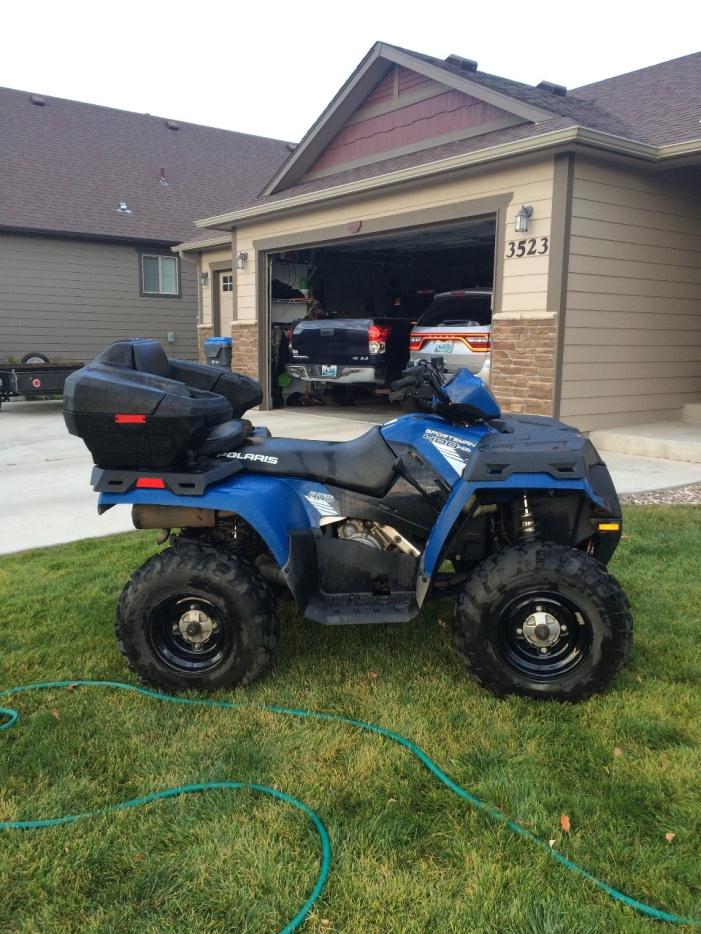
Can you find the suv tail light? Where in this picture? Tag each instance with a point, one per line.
(479, 343)
(378, 336)
(415, 342)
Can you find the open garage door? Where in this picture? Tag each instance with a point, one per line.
(385, 284)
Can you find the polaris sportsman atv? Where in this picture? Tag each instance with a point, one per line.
(514, 516)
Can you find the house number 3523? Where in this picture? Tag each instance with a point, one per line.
(532, 246)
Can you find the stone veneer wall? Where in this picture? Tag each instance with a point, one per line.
(523, 361)
(203, 332)
(244, 335)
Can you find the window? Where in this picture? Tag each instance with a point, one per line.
(159, 275)
(227, 283)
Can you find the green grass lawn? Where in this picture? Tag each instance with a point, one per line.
(408, 855)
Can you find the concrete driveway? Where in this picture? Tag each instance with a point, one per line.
(46, 499)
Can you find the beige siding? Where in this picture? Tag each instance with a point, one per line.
(525, 281)
(212, 261)
(69, 298)
(633, 324)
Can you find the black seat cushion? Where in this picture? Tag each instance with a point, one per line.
(365, 464)
(226, 437)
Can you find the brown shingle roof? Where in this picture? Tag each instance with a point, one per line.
(65, 166)
(662, 102)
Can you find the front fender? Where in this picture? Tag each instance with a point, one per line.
(460, 495)
(274, 506)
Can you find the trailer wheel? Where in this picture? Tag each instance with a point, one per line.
(544, 621)
(34, 357)
(194, 617)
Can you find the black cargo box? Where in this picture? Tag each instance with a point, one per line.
(134, 407)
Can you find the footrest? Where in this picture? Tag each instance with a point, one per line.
(190, 483)
(351, 608)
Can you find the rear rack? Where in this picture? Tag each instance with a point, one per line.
(193, 482)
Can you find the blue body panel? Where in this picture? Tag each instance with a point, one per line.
(273, 506)
(467, 389)
(447, 448)
(463, 490)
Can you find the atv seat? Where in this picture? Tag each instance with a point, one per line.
(364, 465)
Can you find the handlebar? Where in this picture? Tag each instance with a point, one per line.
(423, 381)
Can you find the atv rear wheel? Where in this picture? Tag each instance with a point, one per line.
(543, 621)
(194, 617)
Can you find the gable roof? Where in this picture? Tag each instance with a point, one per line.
(65, 166)
(634, 114)
(372, 69)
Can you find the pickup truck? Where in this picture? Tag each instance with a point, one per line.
(368, 352)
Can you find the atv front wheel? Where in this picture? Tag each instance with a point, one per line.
(543, 621)
(194, 617)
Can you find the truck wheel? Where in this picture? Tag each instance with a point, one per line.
(194, 617)
(545, 621)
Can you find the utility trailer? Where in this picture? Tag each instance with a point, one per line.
(34, 377)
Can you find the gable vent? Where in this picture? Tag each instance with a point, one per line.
(558, 89)
(37, 100)
(464, 64)
(172, 125)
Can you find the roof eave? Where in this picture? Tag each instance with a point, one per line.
(566, 136)
(201, 245)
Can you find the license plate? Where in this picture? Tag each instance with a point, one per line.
(330, 372)
(443, 347)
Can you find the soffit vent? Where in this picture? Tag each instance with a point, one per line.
(172, 125)
(37, 100)
(558, 89)
(464, 64)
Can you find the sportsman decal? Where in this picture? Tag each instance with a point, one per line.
(457, 451)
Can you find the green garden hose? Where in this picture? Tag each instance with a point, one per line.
(11, 717)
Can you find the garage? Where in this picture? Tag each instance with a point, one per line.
(412, 173)
(392, 276)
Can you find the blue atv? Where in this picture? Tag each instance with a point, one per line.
(513, 516)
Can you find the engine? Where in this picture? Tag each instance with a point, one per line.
(374, 535)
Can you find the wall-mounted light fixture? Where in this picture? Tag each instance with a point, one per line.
(204, 279)
(241, 258)
(522, 218)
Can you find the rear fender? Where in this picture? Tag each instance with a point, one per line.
(276, 507)
(459, 498)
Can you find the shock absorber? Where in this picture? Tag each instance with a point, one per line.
(527, 523)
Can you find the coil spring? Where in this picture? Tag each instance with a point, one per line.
(528, 529)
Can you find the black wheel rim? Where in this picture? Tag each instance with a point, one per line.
(544, 635)
(190, 634)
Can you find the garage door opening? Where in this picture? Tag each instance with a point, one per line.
(332, 306)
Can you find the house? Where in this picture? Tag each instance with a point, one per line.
(91, 201)
(581, 208)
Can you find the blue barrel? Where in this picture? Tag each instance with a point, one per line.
(218, 351)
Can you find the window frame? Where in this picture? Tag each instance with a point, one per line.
(142, 254)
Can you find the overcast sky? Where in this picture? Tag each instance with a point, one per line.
(270, 67)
